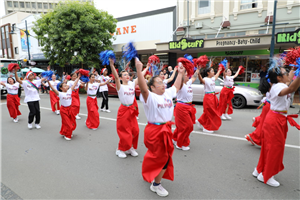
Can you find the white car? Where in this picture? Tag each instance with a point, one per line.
(242, 95)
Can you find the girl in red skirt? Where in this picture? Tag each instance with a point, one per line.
(12, 98)
(75, 95)
(184, 113)
(158, 106)
(91, 87)
(226, 94)
(68, 122)
(275, 128)
(210, 119)
(54, 99)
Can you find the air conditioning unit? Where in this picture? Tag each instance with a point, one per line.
(183, 23)
(180, 32)
(198, 24)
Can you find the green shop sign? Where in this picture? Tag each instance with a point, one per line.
(238, 53)
(185, 44)
(288, 37)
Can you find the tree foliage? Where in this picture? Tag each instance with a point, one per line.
(75, 32)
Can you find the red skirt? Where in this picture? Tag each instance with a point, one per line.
(258, 123)
(127, 127)
(225, 99)
(13, 102)
(53, 100)
(92, 120)
(136, 107)
(184, 120)
(210, 119)
(274, 132)
(158, 141)
(75, 102)
(68, 122)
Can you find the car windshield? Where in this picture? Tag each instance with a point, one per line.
(218, 82)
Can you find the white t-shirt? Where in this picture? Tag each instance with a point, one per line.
(126, 93)
(71, 83)
(209, 85)
(228, 81)
(279, 103)
(92, 89)
(165, 81)
(31, 94)
(54, 84)
(12, 89)
(159, 108)
(185, 94)
(103, 79)
(65, 98)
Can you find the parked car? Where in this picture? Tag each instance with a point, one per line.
(242, 95)
(112, 91)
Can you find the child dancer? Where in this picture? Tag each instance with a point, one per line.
(92, 121)
(158, 106)
(184, 113)
(54, 99)
(68, 122)
(75, 95)
(166, 81)
(275, 127)
(12, 98)
(31, 89)
(225, 105)
(209, 120)
(104, 90)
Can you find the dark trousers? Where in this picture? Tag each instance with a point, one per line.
(105, 100)
(34, 111)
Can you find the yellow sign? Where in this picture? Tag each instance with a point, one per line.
(185, 44)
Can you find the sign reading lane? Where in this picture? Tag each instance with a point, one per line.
(185, 44)
(288, 37)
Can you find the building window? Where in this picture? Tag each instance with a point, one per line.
(40, 6)
(289, 29)
(277, 30)
(16, 5)
(248, 4)
(50, 5)
(33, 4)
(22, 5)
(210, 36)
(241, 33)
(16, 50)
(27, 4)
(262, 31)
(203, 7)
(45, 6)
(9, 4)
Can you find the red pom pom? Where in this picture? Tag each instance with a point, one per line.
(202, 61)
(189, 67)
(153, 59)
(195, 62)
(13, 66)
(222, 68)
(84, 72)
(112, 76)
(242, 70)
(292, 55)
(68, 77)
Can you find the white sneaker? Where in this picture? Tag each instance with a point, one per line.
(30, 126)
(185, 148)
(253, 119)
(120, 154)
(160, 190)
(57, 112)
(102, 110)
(223, 117)
(132, 152)
(271, 182)
(227, 116)
(37, 126)
(67, 138)
(177, 147)
(94, 129)
(77, 117)
(137, 117)
(198, 124)
(207, 131)
(255, 173)
(108, 111)
(16, 120)
(174, 142)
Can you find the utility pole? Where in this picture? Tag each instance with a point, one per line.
(273, 31)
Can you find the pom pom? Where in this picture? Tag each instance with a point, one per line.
(189, 57)
(84, 72)
(242, 70)
(222, 68)
(68, 77)
(202, 61)
(84, 78)
(47, 75)
(58, 85)
(274, 65)
(189, 66)
(112, 77)
(195, 62)
(106, 55)
(292, 55)
(297, 66)
(224, 63)
(129, 52)
(13, 66)
(153, 60)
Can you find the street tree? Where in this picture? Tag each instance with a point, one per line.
(75, 33)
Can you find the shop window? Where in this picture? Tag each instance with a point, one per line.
(16, 5)
(27, 4)
(262, 31)
(203, 7)
(241, 33)
(33, 4)
(45, 6)
(40, 5)
(278, 30)
(9, 4)
(22, 5)
(220, 35)
(255, 64)
(235, 34)
(210, 36)
(289, 29)
(248, 4)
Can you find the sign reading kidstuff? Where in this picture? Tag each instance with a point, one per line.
(288, 37)
(185, 44)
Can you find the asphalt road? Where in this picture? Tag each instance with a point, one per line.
(40, 164)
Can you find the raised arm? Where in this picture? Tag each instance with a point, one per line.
(17, 78)
(179, 79)
(173, 75)
(141, 81)
(292, 87)
(237, 73)
(194, 77)
(114, 72)
(201, 79)
(53, 89)
(76, 82)
(218, 73)
(143, 73)
(2, 83)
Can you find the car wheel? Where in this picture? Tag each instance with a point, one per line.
(238, 101)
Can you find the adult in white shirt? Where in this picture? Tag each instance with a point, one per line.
(158, 106)
(104, 90)
(226, 94)
(31, 89)
(12, 98)
(91, 87)
(68, 121)
(210, 119)
(54, 99)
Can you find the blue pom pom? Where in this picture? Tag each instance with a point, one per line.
(224, 63)
(84, 78)
(189, 57)
(274, 65)
(297, 72)
(47, 75)
(58, 85)
(129, 52)
(105, 55)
